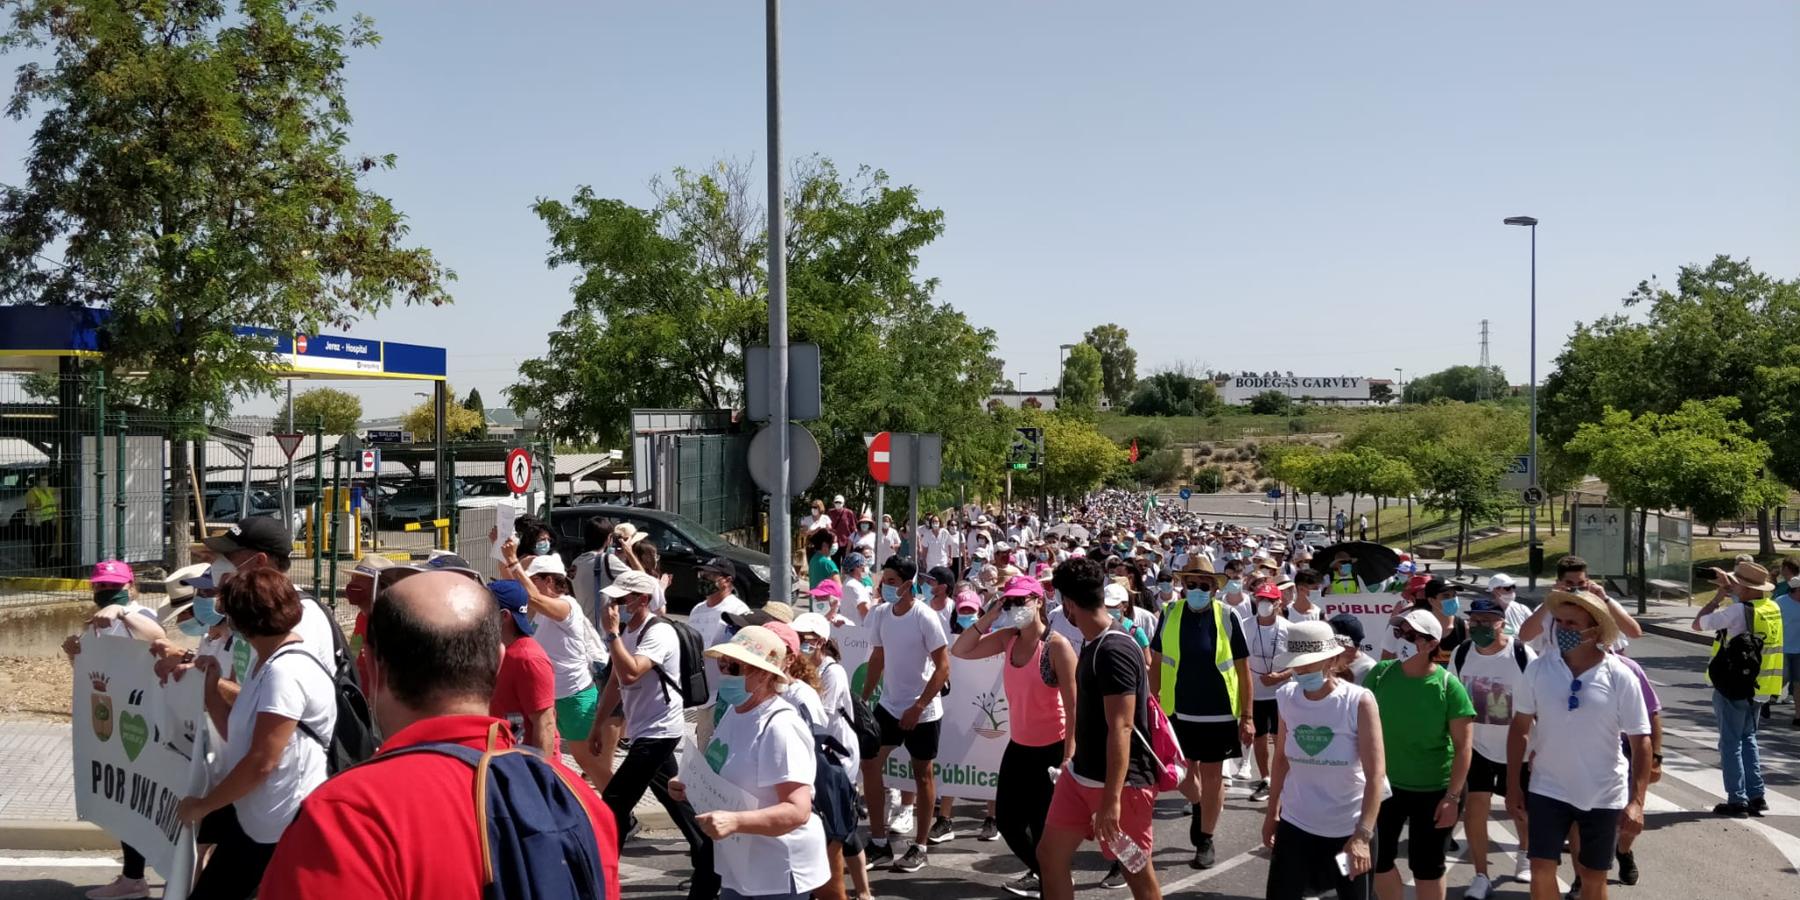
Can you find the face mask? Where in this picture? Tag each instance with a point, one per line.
(1197, 598)
(1234, 587)
(1310, 681)
(965, 620)
(822, 606)
(1166, 589)
(1243, 554)
(1483, 635)
(808, 647)
(1023, 615)
(866, 528)
(1344, 570)
(1567, 641)
(732, 690)
(206, 612)
(191, 627)
(867, 581)
(1264, 609)
(1451, 606)
(111, 597)
(1406, 651)
(220, 570)
(1503, 597)
(890, 594)
(541, 548)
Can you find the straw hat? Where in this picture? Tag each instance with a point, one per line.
(756, 646)
(1752, 576)
(1595, 608)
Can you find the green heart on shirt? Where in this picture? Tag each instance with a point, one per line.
(716, 754)
(1313, 738)
(133, 732)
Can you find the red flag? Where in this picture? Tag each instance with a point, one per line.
(1134, 449)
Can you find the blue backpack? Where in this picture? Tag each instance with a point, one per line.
(537, 842)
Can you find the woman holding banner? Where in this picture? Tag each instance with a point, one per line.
(1039, 678)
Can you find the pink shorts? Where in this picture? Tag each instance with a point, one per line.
(1073, 805)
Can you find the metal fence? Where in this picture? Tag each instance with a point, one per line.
(712, 477)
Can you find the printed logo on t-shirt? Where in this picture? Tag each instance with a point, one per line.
(1313, 738)
(1493, 700)
(716, 754)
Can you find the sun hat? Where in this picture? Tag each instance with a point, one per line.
(1023, 586)
(369, 566)
(754, 645)
(1500, 580)
(779, 611)
(1752, 576)
(1308, 643)
(110, 572)
(1595, 608)
(441, 562)
(1423, 622)
(624, 530)
(632, 582)
(180, 587)
(814, 624)
(511, 596)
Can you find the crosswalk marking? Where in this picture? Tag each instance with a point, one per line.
(59, 862)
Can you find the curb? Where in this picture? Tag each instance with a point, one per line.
(39, 834)
(1679, 633)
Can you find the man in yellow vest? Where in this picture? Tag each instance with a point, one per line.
(1200, 667)
(1343, 575)
(40, 518)
(1756, 614)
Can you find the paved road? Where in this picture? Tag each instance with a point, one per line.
(1685, 853)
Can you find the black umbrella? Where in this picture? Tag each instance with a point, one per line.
(1373, 563)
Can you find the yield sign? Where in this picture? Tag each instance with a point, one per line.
(878, 457)
(289, 443)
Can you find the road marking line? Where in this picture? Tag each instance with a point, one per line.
(1219, 869)
(59, 862)
(1503, 826)
(1686, 769)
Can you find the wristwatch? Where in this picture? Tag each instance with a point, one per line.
(609, 637)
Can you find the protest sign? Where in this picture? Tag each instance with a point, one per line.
(136, 741)
(707, 790)
(1371, 609)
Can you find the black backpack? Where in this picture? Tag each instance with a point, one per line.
(352, 737)
(863, 724)
(692, 661)
(1462, 655)
(1735, 667)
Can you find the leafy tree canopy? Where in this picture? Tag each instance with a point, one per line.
(1174, 393)
(341, 410)
(460, 422)
(1118, 362)
(1082, 379)
(1465, 383)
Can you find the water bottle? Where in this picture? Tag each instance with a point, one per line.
(1128, 853)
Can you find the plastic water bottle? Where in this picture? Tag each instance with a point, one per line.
(1128, 853)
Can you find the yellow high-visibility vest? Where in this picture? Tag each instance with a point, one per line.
(1171, 656)
(41, 500)
(1765, 623)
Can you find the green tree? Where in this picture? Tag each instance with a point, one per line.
(1271, 403)
(1380, 393)
(1160, 468)
(460, 422)
(1206, 479)
(1696, 458)
(1465, 383)
(1082, 380)
(1174, 393)
(340, 409)
(190, 172)
(1463, 482)
(1118, 362)
(473, 404)
(1079, 457)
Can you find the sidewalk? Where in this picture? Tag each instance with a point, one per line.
(1664, 618)
(37, 793)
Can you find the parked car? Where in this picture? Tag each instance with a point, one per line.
(493, 492)
(683, 543)
(413, 502)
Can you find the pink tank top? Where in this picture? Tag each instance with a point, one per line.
(1036, 709)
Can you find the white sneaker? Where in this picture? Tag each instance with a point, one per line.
(122, 888)
(903, 823)
(1479, 888)
(1522, 869)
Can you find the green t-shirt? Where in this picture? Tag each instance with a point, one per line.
(819, 569)
(1415, 723)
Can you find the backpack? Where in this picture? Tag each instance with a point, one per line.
(537, 840)
(353, 734)
(1161, 742)
(1518, 653)
(692, 661)
(1733, 670)
(862, 723)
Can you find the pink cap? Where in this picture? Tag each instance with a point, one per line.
(1023, 586)
(968, 600)
(828, 588)
(110, 571)
(786, 632)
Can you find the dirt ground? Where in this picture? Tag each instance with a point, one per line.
(35, 688)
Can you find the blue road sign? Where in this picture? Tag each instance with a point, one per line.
(1187, 492)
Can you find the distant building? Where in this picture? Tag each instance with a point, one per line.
(1341, 390)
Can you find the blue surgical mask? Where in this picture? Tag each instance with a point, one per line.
(1344, 570)
(541, 548)
(1451, 606)
(206, 612)
(732, 691)
(808, 648)
(1234, 587)
(890, 594)
(1244, 554)
(191, 627)
(965, 620)
(1197, 598)
(1310, 681)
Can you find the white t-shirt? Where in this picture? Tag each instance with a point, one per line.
(566, 644)
(314, 631)
(855, 595)
(652, 708)
(907, 642)
(1578, 759)
(769, 746)
(117, 628)
(294, 688)
(1265, 642)
(1294, 614)
(1323, 793)
(935, 546)
(1059, 623)
(707, 620)
(1493, 682)
(839, 713)
(1516, 613)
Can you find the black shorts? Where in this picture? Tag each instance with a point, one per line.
(1548, 822)
(1266, 715)
(1414, 812)
(1489, 777)
(1207, 742)
(921, 742)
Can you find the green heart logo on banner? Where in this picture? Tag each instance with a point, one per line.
(133, 732)
(1313, 738)
(716, 754)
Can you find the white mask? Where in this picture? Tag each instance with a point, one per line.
(1407, 650)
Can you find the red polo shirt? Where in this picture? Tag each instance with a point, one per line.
(405, 828)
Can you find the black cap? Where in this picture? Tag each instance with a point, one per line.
(719, 565)
(262, 534)
(942, 576)
(1348, 626)
(740, 621)
(1436, 586)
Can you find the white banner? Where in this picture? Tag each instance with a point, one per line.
(1372, 610)
(135, 742)
(707, 790)
(972, 734)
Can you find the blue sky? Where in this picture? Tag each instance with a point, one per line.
(1315, 187)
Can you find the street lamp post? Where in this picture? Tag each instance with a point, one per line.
(1021, 382)
(1536, 550)
(1062, 359)
(780, 557)
(1400, 383)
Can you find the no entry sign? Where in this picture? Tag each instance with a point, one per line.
(518, 470)
(878, 457)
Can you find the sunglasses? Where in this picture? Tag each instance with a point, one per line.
(734, 669)
(1574, 698)
(1406, 634)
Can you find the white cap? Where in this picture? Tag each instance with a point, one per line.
(1423, 622)
(838, 499)
(812, 623)
(548, 564)
(1116, 594)
(633, 582)
(1500, 580)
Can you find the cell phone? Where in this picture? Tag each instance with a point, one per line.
(1343, 863)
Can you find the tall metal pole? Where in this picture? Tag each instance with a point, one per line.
(100, 467)
(119, 488)
(780, 551)
(1531, 550)
(287, 487)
